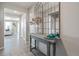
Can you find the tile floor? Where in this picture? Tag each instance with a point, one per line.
(13, 46)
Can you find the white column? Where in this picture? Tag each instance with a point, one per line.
(27, 25)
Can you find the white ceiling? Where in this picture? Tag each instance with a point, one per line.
(11, 12)
(15, 7)
(20, 4)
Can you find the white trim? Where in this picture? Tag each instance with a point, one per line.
(1, 48)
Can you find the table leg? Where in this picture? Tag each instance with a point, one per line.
(54, 49)
(35, 44)
(48, 49)
(30, 43)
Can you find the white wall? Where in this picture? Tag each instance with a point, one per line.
(24, 23)
(23, 26)
(70, 27)
(1, 26)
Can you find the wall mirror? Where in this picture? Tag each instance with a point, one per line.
(50, 17)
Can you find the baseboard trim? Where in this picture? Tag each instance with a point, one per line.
(1, 48)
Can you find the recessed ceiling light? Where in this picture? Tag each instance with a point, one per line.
(17, 12)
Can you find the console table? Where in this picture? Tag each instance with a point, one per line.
(41, 38)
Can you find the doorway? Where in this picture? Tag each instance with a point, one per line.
(11, 23)
(11, 28)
